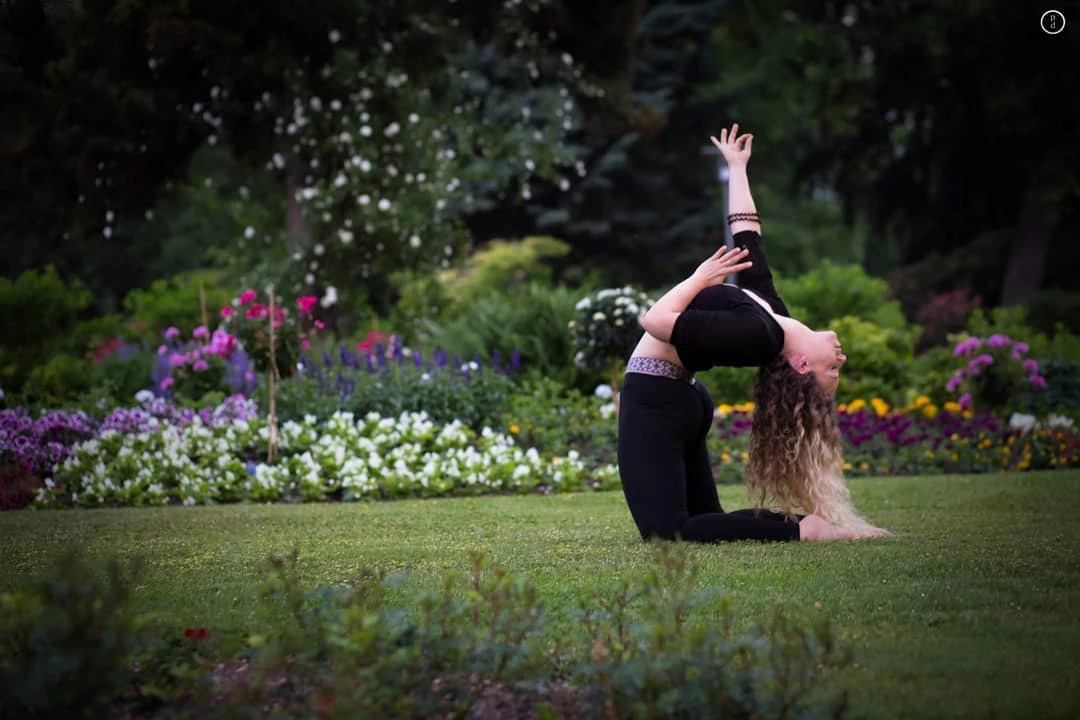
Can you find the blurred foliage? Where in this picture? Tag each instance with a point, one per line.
(38, 311)
(178, 302)
(878, 359)
(832, 291)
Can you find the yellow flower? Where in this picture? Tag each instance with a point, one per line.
(856, 405)
(953, 407)
(930, 411)
(725, 457)
(880, 407)
(847, 466)
(922, 400)
(723, 409)
(745, 407)
(514, 429)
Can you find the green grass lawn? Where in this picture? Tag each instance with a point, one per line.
(971, 609)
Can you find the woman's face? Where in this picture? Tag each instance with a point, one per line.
(824, 359)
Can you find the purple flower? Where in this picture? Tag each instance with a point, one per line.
(954, 383)
(967, 347)
(1018, 350)
(200, 332)
(1038, 381)
(162, 350)
(1031, 366)
(964, 401)
(998, 341)
(171, 332)
(176, 360)
(200, 365)
(167, 383)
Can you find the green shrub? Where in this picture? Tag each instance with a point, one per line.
(878, 359)
(532, 320)
(37, 313)
(176, 302)
(830, 292)
(729, 384)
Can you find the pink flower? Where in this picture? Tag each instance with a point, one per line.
(306, 344)
(200, 365)
(954, 383)
(1038, 381)
(964, 401)
(167, 383)
(171, 332)
(162, 350)
(256, 312)
(1031, 366)
(247, 297)
(226, 311)
(306, 303)
(998, 341)
(200, 332)
(176, 360)
(319, 325)
(1018, 350)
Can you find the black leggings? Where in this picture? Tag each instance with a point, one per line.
(665, 472)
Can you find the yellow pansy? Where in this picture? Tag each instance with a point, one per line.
(880, 407)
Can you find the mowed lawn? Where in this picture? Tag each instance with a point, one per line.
(971, 608)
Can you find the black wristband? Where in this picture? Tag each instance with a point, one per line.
(752, 217)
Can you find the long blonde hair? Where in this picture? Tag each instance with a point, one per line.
(795, 457)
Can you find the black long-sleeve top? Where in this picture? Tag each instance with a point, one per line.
(724, 326)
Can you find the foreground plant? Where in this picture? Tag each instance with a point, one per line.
(477, 645)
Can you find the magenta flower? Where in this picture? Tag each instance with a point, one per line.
(177, 360)
(167, 383)
(1018, 350)
(226, 311)
(964, 401)
(247, 297)
(306, 344)
(162, 350)
(998, 341)
(200, 365)
(954, 383)
(306, 303)
(171, 332)
(200, 332)
(1031, 366)
(1038, 381)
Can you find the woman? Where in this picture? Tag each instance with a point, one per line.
(665, 414)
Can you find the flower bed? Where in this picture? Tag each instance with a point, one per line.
(920, 438)
(345, 458)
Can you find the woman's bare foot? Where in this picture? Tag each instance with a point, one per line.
(814, 527)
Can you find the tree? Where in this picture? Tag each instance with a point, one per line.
(944, 125)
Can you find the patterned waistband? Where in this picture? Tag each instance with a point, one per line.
(661, 368)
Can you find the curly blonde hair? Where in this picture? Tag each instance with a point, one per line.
(795, 458)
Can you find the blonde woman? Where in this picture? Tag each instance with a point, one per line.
(665, 414)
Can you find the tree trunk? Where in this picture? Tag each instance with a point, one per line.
(296, 224)
(1026, 265)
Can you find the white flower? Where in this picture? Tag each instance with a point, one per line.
(330, 297)
(309, 192)
(1022, 421)
(334, 36)
(249, 232)
(309, 279)
(365, 166)
(603, 391)
(599, 316)
(583, 304)
(319, 249)
(1058, 421)
(392, 129)
(346, 236)
(142, 397)
(414, 118)
(414, 241)
(384, 204)
(345, 137)
(109, 216)
(530, 165)
(340, 180)
(365, 131)
(363, 199)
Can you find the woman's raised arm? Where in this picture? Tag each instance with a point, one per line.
(736, 151)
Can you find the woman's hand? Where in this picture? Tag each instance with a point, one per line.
(734, 147)
(722, 263)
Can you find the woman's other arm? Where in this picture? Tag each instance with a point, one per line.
(660, 319)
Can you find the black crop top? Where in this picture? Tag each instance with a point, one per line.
(725, 326)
